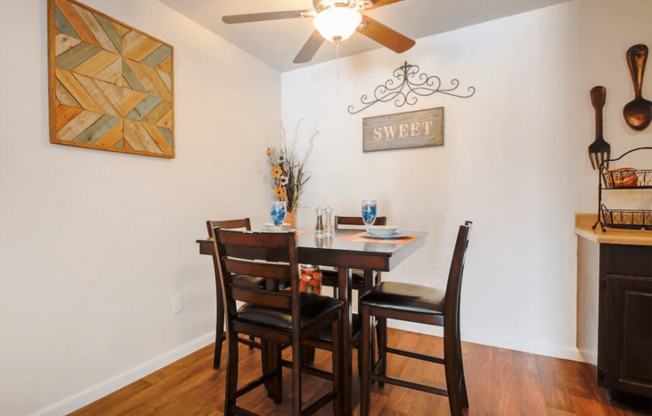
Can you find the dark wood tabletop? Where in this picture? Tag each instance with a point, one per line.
(340, 252)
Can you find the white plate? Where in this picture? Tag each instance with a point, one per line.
(381, 230)
(394, 236)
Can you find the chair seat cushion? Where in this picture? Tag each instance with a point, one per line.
(251, 282)
(405, 297)
(329, 278)
(313, 308)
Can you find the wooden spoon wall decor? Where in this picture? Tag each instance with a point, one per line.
(638, 112)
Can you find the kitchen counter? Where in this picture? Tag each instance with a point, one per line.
(584, 222)
(614, 303)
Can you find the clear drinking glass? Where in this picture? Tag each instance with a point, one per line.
(278, 213)
(329, 221)
(368, 211)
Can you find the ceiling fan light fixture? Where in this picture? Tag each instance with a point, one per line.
(337, 23)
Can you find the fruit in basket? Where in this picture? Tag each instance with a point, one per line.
(625, 177)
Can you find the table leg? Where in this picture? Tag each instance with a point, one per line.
(347, 335)
(368, 284)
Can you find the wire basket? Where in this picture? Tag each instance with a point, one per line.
(627, 178)
(627, 218)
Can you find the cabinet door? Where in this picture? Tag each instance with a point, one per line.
(625, 333)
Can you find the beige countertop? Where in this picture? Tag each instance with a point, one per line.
(584, 222)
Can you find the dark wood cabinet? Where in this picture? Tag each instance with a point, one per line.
(625, 319)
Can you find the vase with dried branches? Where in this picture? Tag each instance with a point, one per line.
(287, 171)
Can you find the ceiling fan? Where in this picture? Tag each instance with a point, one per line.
(335, 20)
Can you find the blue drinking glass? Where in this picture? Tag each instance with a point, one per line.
(368, 211)
(278, 213)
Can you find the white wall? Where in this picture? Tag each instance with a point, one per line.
(93, 245)
(514, 158)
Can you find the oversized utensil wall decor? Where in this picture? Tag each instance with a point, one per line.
(638, 112)
(599, 150)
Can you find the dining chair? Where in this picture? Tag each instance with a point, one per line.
(220, 335)
(425, 305)
(278, 318)
(329, 277)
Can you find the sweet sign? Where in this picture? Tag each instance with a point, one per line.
(421, 128)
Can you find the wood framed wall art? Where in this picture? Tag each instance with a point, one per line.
(110, 85)
(422, 128)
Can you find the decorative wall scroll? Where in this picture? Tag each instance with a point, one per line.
(422, 128)
(407, 86)
(110, 85)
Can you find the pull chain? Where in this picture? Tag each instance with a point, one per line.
(337, 65)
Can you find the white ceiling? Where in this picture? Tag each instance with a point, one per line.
(278, 42)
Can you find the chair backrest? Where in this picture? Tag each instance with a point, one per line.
(270, 255)
(244, 223)
(454, 284)
(357, 221)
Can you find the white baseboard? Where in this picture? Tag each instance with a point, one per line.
(589, 356)
(501, 341)
(567, 352)
(99, 390)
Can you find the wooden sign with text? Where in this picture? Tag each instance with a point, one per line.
(421, 128)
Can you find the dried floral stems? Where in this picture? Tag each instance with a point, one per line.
(288, 174)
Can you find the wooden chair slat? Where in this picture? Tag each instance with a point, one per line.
(278, 300)
(342, 220)
(265, 270)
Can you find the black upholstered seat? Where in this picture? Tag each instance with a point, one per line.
(312, 308)
(329, 278)
(406, 297)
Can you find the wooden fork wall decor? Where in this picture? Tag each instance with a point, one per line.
(599, 150)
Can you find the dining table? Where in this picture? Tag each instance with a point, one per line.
(346, 250)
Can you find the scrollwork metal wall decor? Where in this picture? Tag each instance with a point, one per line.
(406, 86)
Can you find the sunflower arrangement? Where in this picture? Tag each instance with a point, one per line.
(287, 172)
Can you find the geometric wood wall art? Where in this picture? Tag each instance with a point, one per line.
(110, 85)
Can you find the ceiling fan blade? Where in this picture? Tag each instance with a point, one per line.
(309, 48)
(381, 3)
(260, 17)
(385, 36)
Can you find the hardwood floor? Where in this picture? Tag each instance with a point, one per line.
(500, 383)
